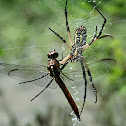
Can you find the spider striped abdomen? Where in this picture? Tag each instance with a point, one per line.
(80, 37)
(79, 41)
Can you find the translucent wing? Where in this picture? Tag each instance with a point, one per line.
(27, 73)
(73, 73)
(98, 70)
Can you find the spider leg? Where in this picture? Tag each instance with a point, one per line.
(108, 59)
(42, 90)
(103, 25)
(95, 35)
(68, 57)
(61, 38)
(85, 90)
(67, 25)
(62, 55)
(107, 35)
(100, 32)
(90, 77)
(93, 40)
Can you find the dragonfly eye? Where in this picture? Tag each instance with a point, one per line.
(52, 54)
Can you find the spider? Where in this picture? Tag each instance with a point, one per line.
(78, 48)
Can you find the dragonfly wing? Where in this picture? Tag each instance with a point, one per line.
(27, 73)
(97, 69)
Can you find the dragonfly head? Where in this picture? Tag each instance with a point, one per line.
(52, 54)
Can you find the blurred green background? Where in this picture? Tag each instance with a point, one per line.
(26, 39)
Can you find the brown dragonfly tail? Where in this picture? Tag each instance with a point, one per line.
(68, 96)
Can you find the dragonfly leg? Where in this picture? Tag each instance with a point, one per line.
(42, 90)
(67, 77)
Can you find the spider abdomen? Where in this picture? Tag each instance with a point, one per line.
(80, 37)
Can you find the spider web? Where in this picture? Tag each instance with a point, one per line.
(26, 39)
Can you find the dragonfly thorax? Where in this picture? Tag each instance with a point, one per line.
(53, 64)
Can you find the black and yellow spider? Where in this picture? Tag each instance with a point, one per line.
(79, 46)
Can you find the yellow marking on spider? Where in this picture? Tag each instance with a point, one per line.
(75, 38)
(80, 38)
(75, 53)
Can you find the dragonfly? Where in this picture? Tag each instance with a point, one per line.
(38, 73)
(79, 46)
